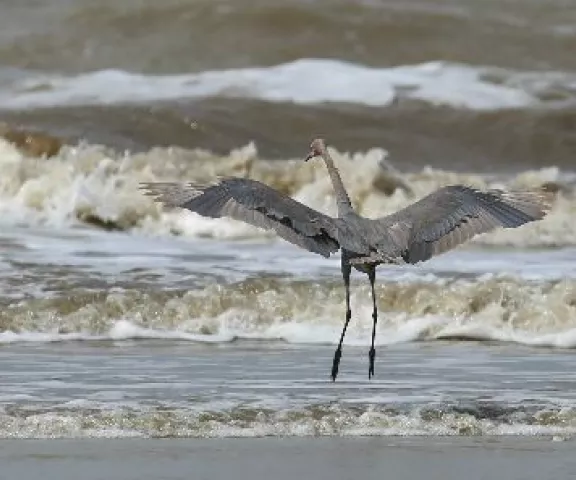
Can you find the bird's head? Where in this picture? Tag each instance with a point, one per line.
(317, 149)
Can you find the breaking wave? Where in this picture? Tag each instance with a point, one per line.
(303, 81)
(86, 419)
(92, 185)
(307, 312)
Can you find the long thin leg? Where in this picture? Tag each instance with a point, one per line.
(372, 353)
(346, 269)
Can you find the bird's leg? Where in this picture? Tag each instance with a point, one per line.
(346, 269)
(372, 353)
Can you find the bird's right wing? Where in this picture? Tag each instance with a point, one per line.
(453, 215)
(255, 203)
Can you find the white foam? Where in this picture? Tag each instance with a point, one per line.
(330, 420)
(125, 330)
(398, 329)
(121, 330)
(479, 331)
(303, 81)
(8, 337)
(88, 183)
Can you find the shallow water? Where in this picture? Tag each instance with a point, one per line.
(115, 334)
(167, 389)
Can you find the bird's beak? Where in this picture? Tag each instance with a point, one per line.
(311, 155)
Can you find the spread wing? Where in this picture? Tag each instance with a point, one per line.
(255, 203)
(453, 215)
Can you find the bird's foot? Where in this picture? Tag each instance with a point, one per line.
(371, 357)
(336, 363)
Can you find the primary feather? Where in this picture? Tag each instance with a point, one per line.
(454, 214)
(255, 203)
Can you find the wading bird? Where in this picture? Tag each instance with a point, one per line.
(435, 224)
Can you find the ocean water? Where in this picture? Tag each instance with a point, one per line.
(121, 318)
(306, 81)
(443, 82)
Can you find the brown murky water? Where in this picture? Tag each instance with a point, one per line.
(480, 84)
(196, 35)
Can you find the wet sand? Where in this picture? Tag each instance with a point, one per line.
(283, 459)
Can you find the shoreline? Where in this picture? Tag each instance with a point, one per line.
(433, 458)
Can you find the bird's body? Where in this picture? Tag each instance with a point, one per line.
(433, 225)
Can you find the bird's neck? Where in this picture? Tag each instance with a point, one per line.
(342, 199)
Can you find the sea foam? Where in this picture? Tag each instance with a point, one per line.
(302, 81)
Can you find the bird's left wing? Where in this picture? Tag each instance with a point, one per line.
(453, 215)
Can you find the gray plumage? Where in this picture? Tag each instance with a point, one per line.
(254, 203)
(433, 225)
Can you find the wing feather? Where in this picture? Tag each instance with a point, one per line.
(454, 214)
(254, 203)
